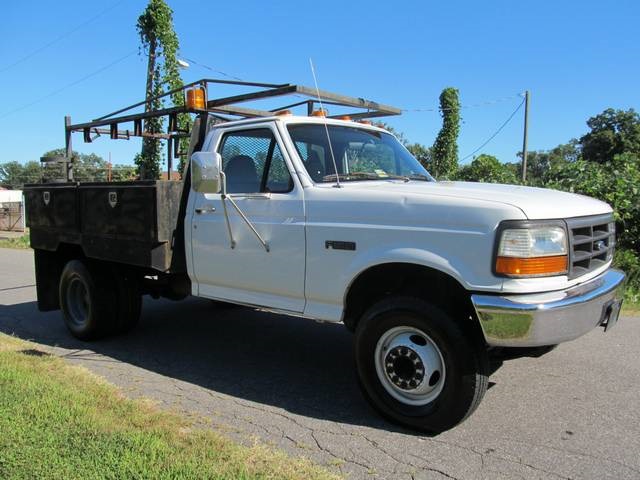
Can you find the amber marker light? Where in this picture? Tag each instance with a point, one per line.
(319, 113)
(346, 118)
(535, 266)
(283, 113)
(197, 98)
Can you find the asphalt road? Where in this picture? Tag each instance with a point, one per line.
(573, 413)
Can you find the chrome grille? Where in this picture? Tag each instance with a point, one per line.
(591, 243)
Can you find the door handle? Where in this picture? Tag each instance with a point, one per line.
(202, 210)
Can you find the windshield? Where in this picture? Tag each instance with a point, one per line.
(359, 154)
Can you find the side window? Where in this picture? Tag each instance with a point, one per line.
(278, 178)
(252, 162)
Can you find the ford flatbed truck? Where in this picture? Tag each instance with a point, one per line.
(332, 219)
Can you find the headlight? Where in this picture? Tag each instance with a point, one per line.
(530, 250)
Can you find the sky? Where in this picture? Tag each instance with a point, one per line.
(575, 57)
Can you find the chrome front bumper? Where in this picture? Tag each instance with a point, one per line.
(549, 318)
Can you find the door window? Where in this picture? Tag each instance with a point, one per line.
(253, 163)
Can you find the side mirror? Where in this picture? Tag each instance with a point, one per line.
(205, 172)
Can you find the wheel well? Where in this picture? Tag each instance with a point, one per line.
(409, 279)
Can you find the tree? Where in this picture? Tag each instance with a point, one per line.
(616, 182)
(399, 135)
(487, 168)
(155, 27)
(445, 149)
(13, 175)
(613, 132)
(87, 167)
(422, 154)
(541, 162)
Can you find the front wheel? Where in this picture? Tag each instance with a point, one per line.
(417, 366)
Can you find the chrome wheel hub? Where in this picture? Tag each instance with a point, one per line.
(410, 365)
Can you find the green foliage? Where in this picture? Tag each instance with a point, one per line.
(487, 168)
(616, 182)
(629, 262)
(22, 242)
(444, 162)
(422, 153)
(539, 163)
(155, 27)
(399, 135)
(61, 422)
(13, 175)
(87, 167)
(612, 132)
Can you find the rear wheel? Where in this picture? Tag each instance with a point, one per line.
(417, 366)
(86, 301)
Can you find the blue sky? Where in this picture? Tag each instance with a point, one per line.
(576, 57)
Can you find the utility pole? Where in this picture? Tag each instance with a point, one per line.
(524, 140)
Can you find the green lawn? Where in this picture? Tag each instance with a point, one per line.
(19, 242)
(60, 421)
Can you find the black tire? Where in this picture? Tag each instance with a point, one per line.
(87, 301)
(463, 357)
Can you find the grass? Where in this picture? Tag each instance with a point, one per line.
(631, 305)
(18, 242)
(61, 421)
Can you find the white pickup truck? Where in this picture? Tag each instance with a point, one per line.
(334, 220)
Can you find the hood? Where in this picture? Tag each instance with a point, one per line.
(535, 203)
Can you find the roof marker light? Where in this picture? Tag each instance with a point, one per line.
(196, 98)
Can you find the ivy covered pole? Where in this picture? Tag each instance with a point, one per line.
(445, 148)
(159, 40)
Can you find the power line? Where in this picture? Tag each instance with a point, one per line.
(57, 39)
(496, 132)
(406, 110)
(55, 92)
(213, 69)
(471, 105)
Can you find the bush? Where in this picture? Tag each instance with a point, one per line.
(616, 182)
(487, 168)
(629, 262)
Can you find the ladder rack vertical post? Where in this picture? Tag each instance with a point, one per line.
(68, 152)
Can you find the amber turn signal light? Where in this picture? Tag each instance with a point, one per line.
(515, 266)
(196, 98)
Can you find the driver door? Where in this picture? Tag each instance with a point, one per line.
(229, 261)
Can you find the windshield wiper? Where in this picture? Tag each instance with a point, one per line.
(418, 176)
(353, 176)
(375, 176)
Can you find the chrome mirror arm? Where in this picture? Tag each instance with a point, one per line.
(226, 197)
